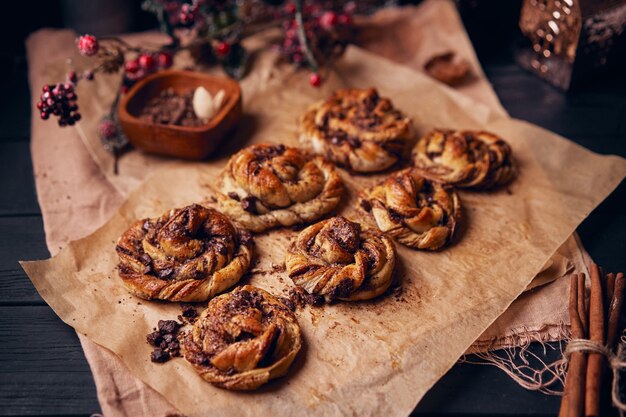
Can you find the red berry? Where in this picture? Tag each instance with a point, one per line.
(131, 66)
(290, 8)
(222, 48)
(315, 80)
(88, 45)
(45, 115)
(107, 128)
(146, 62)
(344, 19)
(164, 59)
(124, 89)
(328, 20)
(88, 75)
(71, 76)
(45, 88)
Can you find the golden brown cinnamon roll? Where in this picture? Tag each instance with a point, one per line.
(337, 260)
(467, 159)
(243, 339)
(357, 129)
(415, 211)
(187, 254)
(264, 186)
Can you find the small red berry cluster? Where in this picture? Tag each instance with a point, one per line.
(59, 100)
(144, 64)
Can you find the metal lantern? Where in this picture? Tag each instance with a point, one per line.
(572, 39)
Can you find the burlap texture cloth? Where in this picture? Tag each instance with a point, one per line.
(78, 192)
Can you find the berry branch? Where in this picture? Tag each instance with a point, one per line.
(315, 33)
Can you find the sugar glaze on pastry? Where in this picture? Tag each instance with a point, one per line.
(357, 129)
(338, 260)
(243, 339)
(265, 186)
(187, 254)
(417, 212)
(465, 158)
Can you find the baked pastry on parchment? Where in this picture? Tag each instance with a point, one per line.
(357, 129)
(187, 254)
(243, 339)
(265, 185)
(415, 211)
(338, 260)
(464, 158)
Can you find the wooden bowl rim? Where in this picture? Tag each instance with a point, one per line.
(126, 116)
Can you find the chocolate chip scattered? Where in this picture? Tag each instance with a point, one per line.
(366, 205)
(245, 238)
(300, 298)
(145, 259)
(289, 303)
(249, 204)
(159, 355)
(154, 338)
(164, 273)
(234, 195)
(168, 326)
(189, 312)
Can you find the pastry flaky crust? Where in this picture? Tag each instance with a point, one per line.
(466, 159)
(337, 260)
(265, 186)
(415, 211)
(243, 339)
(187, 254)
(357, 129)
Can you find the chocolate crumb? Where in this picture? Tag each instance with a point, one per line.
(234, 196)
(366, 205)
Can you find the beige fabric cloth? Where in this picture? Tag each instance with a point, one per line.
(81, 191)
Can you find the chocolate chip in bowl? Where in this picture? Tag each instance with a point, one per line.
(160, 113)
(170, 108)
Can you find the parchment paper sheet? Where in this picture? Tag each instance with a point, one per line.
(375, 358)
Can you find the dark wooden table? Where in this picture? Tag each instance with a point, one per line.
(42, 367)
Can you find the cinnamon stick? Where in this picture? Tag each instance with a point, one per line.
(595, 361)
(615, 309)
(572, 403)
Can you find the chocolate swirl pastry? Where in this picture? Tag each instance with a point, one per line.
(466, 159)
(187, 254)
(335, 259)
(264, 186)
(243, 339)
(357, 129)
(415, 211)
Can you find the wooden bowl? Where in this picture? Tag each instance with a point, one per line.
(187, 142)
